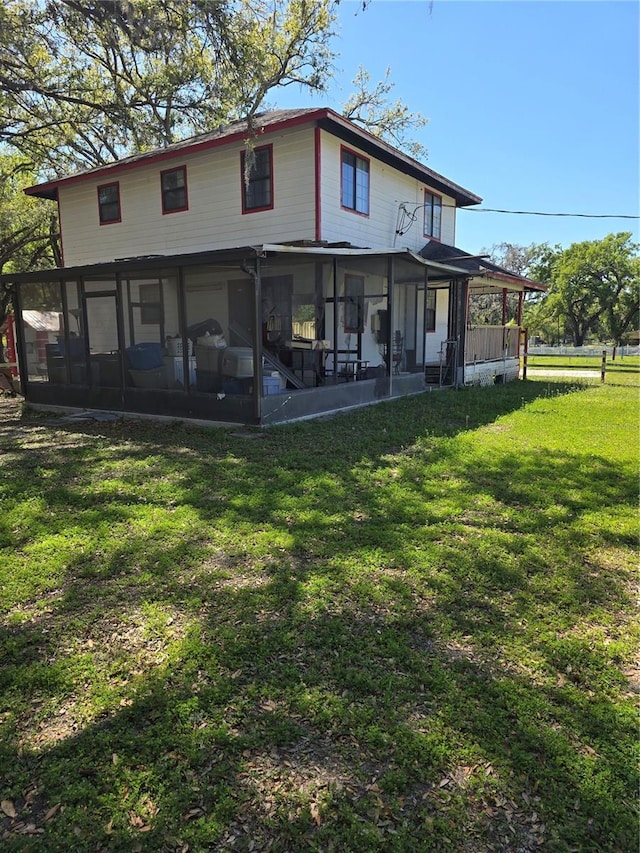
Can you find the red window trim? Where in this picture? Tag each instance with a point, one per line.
(186, 191)
(425, 231)
(115, 184)
(343, 149)
(243, 187)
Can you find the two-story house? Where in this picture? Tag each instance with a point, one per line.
(309, 268)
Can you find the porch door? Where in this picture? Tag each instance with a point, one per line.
(102, 312)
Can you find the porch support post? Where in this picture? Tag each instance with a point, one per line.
(11, 340)
(20, 341)
(520, 300)
(182, 327)
(257, 342)
(120, 334)
(460, 317)
(335, 320)
(392, 319)
(424, 322)
(65, 330)
(504, 306)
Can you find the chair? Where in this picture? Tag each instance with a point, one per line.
(397, 351)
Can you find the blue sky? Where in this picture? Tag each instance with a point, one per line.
(532, 105)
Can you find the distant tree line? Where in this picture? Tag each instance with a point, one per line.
(593, 289)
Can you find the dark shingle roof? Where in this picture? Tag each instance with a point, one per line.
(476, 265)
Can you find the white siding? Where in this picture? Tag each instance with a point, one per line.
(388, 189)
(214, 219)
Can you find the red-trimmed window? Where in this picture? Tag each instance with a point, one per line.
(109, 204)
(354, 182)
(432, 215)
(430, 313)
(173, 183)
(257, 191)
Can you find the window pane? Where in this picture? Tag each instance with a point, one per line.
(174, 190)
(362, 186)
(355, 182)
(348, 186)
(437, 217)
(262, 167)
(109, 203)
(257, 194)
(432, 215)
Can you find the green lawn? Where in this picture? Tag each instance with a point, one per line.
(411, 628)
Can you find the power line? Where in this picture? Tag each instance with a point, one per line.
(403, 205)
(543, 213)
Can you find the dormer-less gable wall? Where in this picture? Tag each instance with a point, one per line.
(211, 218)
(388, 189)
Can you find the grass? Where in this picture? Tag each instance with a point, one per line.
(409, 628)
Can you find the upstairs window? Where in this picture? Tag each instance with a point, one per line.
(109, 203)
(174, 190)
(355, 182)
(257, 192)
(432, 215)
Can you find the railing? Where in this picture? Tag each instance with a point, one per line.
(490, 343)
(589, 351)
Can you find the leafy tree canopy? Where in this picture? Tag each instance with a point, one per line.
(594, 287)
(28, 227)
(84, 82)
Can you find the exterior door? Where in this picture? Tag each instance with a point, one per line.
(101, 313)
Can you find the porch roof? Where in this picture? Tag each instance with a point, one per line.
(438, 271)
(479, 267)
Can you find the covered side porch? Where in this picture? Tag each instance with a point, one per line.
(493, 334)
(256, 335)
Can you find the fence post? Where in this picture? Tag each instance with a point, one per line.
(603, 369)
(525, 352)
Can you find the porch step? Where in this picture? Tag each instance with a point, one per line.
(434, 374)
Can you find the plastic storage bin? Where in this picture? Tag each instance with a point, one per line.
(237, 362)
(145, 356)
(270, 385)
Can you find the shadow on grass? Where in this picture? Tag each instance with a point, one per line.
(356, 633)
